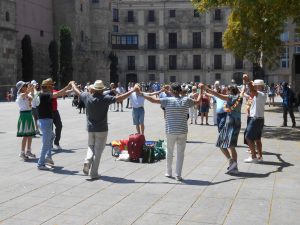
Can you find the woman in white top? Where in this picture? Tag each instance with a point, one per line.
(26, 127)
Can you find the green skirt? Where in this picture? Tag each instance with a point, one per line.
(25, 124)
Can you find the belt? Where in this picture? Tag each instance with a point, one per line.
(25, 111)
(257, 118)
(139, 107)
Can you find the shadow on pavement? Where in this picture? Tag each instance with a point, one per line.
(60, 170)
(282, 133)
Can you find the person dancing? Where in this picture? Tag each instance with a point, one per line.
(228, 135)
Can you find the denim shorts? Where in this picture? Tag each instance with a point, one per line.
(254, 128)
(138, 115)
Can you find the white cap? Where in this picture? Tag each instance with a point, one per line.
(33, 82)
(258, 82)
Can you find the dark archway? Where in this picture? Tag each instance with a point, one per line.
(238, 77)
(131, 77)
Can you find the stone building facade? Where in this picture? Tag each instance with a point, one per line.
(90, 27)
(8, 48)
(169, 41)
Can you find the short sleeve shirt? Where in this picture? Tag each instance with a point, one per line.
(176, 114)
(257, 108)
(96, 110)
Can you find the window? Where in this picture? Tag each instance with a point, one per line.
(172, 13)
(217, 62)
(115, 15)
(152, 77)
(196, 13)
(151, 17)
(172, 62)
(115, 28)
(217, 76)
(297, 49)
(7, 17)
(41, 33)
(197, 62)
(172, 79)
(81, 7)
(130, 17)
(124, 41)
(151, 40)
(239, 64)
(218, 14)
(284, 37)
(196, 39)
(95, 1)
(172, 40)
(81, 36)
(284, 58)
(218, 40)
(131, 62)
(197, 78)
(151, 62)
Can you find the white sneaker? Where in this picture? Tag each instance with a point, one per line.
(234, 171)
(232, 166)
(251, 160)
(168, 175)
(58, 147)
(49, 161)
(178, 178)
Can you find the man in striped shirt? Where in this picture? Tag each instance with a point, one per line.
(176, 108)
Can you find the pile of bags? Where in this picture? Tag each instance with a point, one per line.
(137, 149)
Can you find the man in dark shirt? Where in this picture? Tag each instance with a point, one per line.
(45, 114)
(96, 113)
(288, 100)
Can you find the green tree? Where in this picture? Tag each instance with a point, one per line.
(113, 67)
(54, 64)
(27, 58)
(254, 26)
(66, 55)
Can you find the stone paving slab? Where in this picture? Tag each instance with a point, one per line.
(134, 193)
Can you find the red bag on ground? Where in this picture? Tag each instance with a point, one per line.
(135, 146)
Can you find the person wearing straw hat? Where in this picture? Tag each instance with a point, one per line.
(97, 104)
(255, 125)
(25, 123)
(45, 114)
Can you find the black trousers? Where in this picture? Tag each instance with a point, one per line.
(289, 110)
(58, 126)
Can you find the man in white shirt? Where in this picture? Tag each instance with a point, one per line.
(138, 112)
(255, 126)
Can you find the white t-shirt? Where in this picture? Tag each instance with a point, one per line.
(137, 100)
(120, 90)
(258, 105)
(23, 103)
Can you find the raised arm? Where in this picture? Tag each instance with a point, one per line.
(121, 97)
(62, 91)
(246, 80)
(218, 95)
(151, 98)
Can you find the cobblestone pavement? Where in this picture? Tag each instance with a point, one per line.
(135, 193)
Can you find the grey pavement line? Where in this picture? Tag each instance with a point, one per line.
(61, 178)
(273, 190)
(104, 188)
(174, 187)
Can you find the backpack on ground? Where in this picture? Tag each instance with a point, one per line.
(135, 145)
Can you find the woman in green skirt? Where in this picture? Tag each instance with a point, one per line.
(26, 128)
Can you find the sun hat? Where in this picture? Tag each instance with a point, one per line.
(33, 82)
(48, 82)
(98, 85)
(258, 82)
(20, 84)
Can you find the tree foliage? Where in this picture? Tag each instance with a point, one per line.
(113, 67)
(27, 58)
(254, 26)
(66, 55)
(53, 55)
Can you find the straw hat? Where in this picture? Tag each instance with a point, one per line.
(258, 82)
(98, 85)
(48, 82)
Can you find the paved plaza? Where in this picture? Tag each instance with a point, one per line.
(135, 193)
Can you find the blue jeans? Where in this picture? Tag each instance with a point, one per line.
(47, 138)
